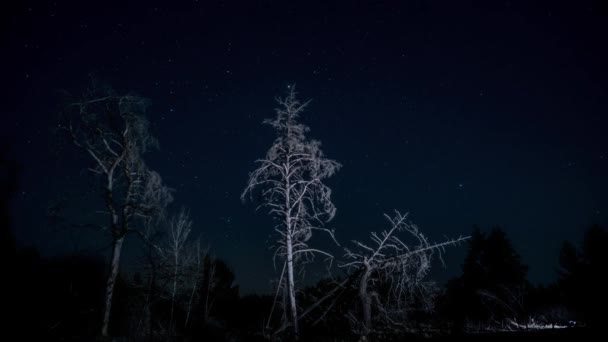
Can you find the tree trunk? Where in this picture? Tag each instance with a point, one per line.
(291, 288)
(151, 298)
(366, 301)
(116, 248)
(209, 274)
(291, 291)
(171, 323)
(194, 288)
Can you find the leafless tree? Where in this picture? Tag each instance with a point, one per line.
(179, 229)
(150, 265)
(194, 262)
(114, 132)
(403, 266)
(290, 178)
(171, 268)
(209, 285)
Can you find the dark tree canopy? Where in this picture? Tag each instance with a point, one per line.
(582, 276)
(493, 281)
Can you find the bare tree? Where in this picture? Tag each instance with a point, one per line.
(209, 279)
(151, 266)
(171, 270)
(290, 178)
(194, 262)
(114, 132)
(401, 265)
(180, 227)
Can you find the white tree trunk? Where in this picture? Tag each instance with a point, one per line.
(176, 261)
(116, 249)
(290, 178)
(291, 291)
(366, 301)
(116, 142)
(291, 286)
(190, 304)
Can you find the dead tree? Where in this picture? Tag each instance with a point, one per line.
(113, 131)
(290, 178)
(403, 266)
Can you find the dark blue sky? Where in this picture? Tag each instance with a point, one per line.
(460, 113)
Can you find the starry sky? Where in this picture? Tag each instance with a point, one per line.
(458, 112)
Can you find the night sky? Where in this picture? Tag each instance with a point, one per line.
(458, 112)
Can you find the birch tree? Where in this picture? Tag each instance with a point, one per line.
(113, 131)
(290, 180)
(401, 265)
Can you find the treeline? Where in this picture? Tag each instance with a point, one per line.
(62, 298)
(493, 291)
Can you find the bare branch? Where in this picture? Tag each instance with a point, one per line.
(290, 182)
(393, 262)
